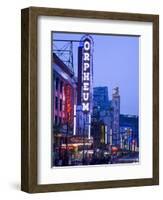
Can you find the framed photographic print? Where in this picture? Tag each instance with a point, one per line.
(90, 99)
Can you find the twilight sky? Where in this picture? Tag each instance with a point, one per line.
(115, 63)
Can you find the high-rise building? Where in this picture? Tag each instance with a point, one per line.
(101, 98)
(101, 114)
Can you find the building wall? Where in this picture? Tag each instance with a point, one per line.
(64, 96)
(130, 122)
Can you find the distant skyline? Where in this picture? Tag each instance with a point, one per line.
(115, 64)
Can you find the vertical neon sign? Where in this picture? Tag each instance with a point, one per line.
(68, 107)
(86, 75)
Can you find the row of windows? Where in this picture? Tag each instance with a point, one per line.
(57, 84)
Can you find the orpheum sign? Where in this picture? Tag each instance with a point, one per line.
(86, 75)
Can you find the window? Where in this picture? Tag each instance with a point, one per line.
(57, 83)
(61, 86)
(56, 120)
(56, 103)
(60, 104)
(60, 120)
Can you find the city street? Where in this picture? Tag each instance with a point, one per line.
(92, 124)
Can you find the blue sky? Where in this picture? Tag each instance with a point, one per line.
(115, 63)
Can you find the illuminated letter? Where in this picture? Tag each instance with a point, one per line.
(86, 45)
(85, 96)
(85, 86)
(86, 66)
(86, 76)
(85, 106)
(86, 56)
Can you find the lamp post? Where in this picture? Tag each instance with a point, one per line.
(67, 142)
(84, 141)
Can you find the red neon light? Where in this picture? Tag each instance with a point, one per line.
(68, 103)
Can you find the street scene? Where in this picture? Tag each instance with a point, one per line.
(95, 99)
